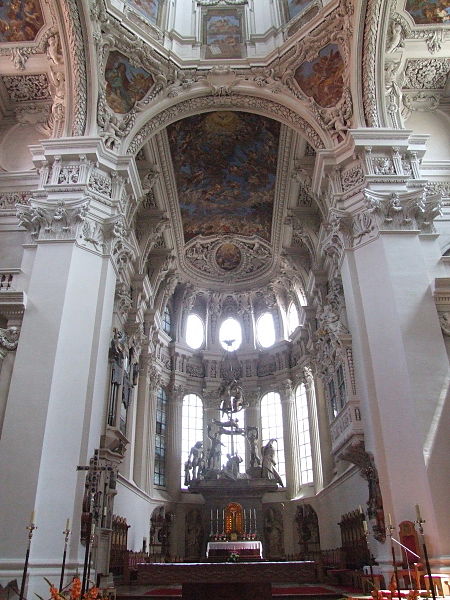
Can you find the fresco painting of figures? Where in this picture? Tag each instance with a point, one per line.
(225, 167)
(322, 78)
(296, 6)
(429, 11)
(223, 34)
(20, 20)
(125, 84)
(149, 8)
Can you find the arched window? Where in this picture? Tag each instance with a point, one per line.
(265, 330)
(192, 430)
(301, 405)
(159, 473)
(195, 332)
(166, 321)
(292, 318)
(230, 334)
(272, 428)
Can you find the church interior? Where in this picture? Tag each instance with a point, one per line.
(224, 299)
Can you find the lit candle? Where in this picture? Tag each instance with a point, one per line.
(419, 518)
(68, 525)
(33, 517)
(389, 520)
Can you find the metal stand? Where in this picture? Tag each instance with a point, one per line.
(390, 529)
(31, 527)
(420, 522)
(66, 533)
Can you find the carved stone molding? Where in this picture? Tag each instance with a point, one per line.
(244, 257)
(77, 62)
(426, 73)
(192, 106)
(57, 221)
(9, 339)
(403, 211)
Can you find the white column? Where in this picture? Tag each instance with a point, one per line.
(401, 365)
(55, 409)
(174, 427)
(144, 439)
(291, 447)
(314, 431)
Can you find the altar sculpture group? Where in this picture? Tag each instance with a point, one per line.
(203, 465)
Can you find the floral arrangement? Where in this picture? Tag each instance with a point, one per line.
(74, 593)
(233, 557)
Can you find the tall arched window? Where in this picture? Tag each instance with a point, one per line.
(292, 318)
(230, 334)
(192, 430)
(166, 321)
(195, 332)
(159, 473)
(301, 405)
(265, 330)
(272, 428)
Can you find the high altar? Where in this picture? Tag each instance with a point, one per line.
(233, 508)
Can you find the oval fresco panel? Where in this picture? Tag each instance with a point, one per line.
(429, 11)
(322, 78)
(228, 256)
(125, 84)
(20, 20)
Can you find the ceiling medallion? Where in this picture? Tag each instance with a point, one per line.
(228, 256)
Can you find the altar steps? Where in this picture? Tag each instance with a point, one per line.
(279, 592)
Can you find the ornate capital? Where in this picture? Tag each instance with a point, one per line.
(9, 338)
(403, 211)
(57, 221)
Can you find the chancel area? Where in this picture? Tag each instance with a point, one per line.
(224, 299)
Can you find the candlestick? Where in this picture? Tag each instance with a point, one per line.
(66, 534)
(30, 529)
(419, 518)
(254, 518)
(389, 520)
(217, 522)
(365, 526)
(360, 509)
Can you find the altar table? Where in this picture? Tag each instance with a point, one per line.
(251, 549)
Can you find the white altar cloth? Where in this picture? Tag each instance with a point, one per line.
(235, 546)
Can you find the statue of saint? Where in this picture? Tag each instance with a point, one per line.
(252, 438)
(268, 470)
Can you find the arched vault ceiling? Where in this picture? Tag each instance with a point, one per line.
(225, 165)
(226, 185)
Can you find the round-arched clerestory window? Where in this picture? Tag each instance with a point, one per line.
(230, 334)
(195, 332)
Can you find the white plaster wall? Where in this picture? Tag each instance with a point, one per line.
(437, 125)
(137, 509)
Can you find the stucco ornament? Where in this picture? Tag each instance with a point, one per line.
(9, 339)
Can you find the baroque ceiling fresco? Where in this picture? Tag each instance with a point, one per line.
(125, 84)
(297, 6)
(429, 11)
(322, 78)
(149, 8)
(225, 167)
(20, 20)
